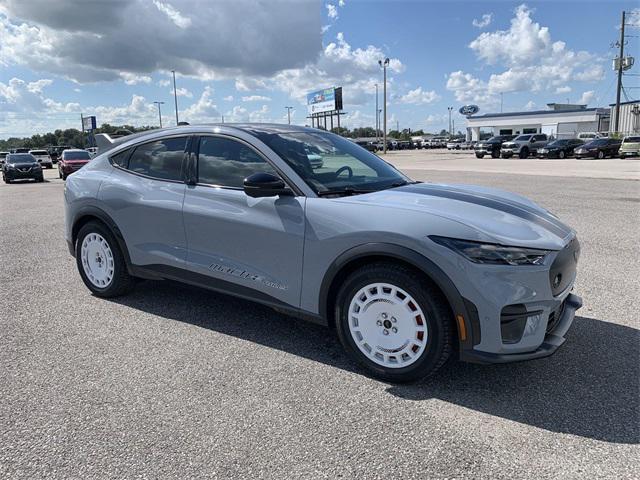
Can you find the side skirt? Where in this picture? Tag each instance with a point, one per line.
(160, 272)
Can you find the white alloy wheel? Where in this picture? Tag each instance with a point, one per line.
(387, 325)
(97, 260)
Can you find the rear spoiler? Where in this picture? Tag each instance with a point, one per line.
(105, 142)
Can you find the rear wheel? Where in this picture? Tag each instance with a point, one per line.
(561, 154)
(101, 263)
(394, 322)
(479, 155)
(600, 155)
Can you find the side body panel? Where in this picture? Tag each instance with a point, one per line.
(253, 242)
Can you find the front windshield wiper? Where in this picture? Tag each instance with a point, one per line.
(345, 191)
(403, 183)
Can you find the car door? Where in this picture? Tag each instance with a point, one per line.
(144, 196)
(236, 241)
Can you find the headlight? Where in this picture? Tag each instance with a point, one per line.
(493, 254)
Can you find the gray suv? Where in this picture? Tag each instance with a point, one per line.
(409, 274)
(524, 145)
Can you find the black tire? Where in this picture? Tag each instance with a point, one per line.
(121, 283)
(479, 155)
(495, 153)
(561, 154)
(64, 176)
(600, 155)
(440, 329)
(524, 153)
(59, 174)
(40, 179)
(7, 180)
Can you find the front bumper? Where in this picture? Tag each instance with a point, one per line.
(17, 174)
(629, 154)
(553, 339)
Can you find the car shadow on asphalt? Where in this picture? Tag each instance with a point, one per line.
(589, 388)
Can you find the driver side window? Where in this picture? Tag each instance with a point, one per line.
(226, 163)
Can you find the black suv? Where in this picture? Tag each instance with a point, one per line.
(491, 146)
(21, 165)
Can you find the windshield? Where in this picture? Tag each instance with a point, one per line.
(345, 166)
(523, 138)
(598, 143)
(38, 152)
(76, 156)
(21, 158)
(626, 140)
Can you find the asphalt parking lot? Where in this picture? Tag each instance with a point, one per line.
(174, 381)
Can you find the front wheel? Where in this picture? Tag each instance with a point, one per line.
(394, 322)
(561, 154)
(101, 262)
(600, 155)
(495, 154)
(479, 155)
(524, 153)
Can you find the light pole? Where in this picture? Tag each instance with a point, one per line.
(377, 124)
(450, 110)
(175, 96)
(289, 114)
(159, 113)
(384, 64)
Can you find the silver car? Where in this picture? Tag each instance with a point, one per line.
(409, 274)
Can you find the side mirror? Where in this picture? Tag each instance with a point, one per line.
(264, 184)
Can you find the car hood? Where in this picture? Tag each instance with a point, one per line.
(496, 215)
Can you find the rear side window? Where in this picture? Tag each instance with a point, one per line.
(160, 159)
(120, 159)
(226, 162)
(632, 140)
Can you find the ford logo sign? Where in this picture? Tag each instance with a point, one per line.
(469, 110)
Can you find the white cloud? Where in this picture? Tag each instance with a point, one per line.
(532, 62)
(332, 11)
(163, 83)
(18, 96)
(341, 3)
(133, 79)
(587, 97)
(228, 98)
(530, 105)
(420, 97)
(256, 98)
(63, 37)
(174, 15)
(204, 109)
(182, 92)
(563, 89)
(486, 19)
(138, 112)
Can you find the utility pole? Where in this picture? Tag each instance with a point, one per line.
(377, 124)
(159, 113)
(82, 130)
(384, 64)
(175, 95)
(450, 110)
(289, 114)
(620, 58)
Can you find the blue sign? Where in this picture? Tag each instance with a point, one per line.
(321, 101)
(468, 110)
(89, 123)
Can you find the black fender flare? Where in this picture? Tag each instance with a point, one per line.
(459, 305)
(104, 217)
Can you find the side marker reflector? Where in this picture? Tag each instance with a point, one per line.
(462, 329)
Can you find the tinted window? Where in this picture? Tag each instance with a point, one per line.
(21, 158)
(39, 152)
(120, 159)
(76, 155)
(159, 159)
(227, 163)
(540, 137)
(523, 138)
(558, 143)
(626, 140)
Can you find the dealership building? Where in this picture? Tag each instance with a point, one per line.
(560, 120)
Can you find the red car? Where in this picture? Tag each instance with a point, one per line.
(71, 160)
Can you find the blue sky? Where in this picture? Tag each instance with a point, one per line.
(248, 59)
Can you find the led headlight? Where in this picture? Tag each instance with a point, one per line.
(491, 253)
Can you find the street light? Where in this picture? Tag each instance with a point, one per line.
(450, 110)
(159, 113)
(377, 117)
(384, 64)
(289, 114)
(175, 96)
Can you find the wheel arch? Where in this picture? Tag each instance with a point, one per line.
(91, 213)
(354, 258)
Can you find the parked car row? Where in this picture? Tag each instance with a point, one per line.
(29, 165)
(540, 146)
